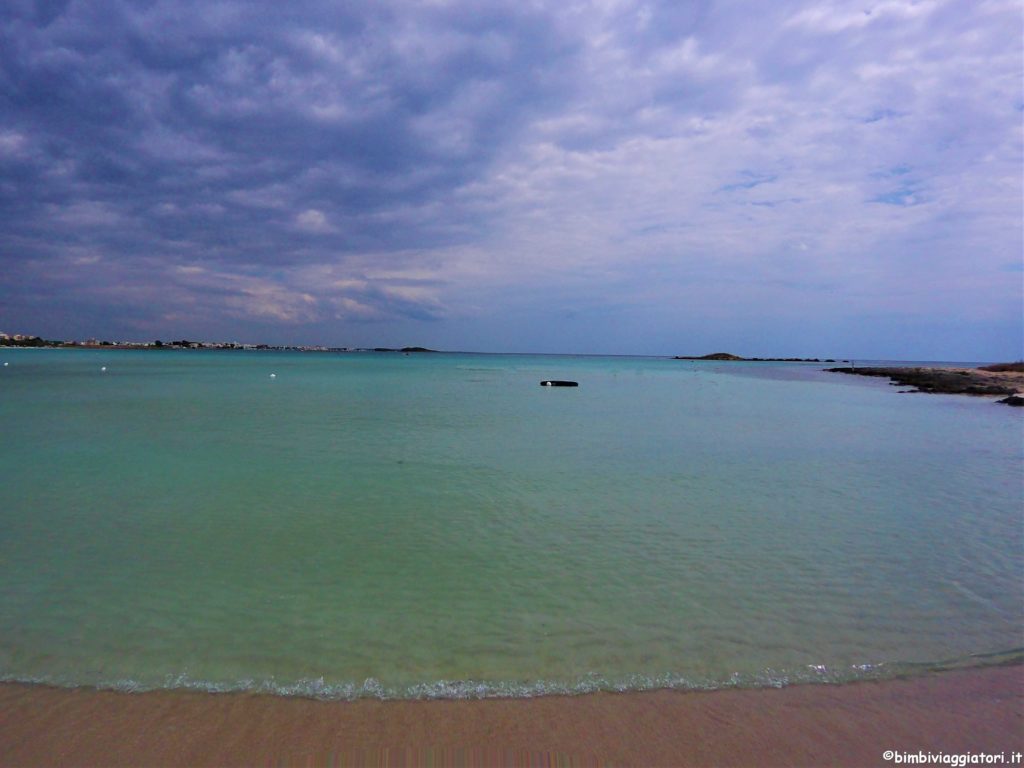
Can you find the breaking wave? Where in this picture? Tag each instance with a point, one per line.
(371, 688)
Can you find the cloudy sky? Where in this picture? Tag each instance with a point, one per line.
(624, 176)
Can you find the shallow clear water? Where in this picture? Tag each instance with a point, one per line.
(440, 525)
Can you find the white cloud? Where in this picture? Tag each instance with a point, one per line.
(842, 16)
(312, 220)
(12, 143)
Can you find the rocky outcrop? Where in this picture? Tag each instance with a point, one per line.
(1017, 367)
(729, 357)
(949, 381)
(712, 356)
(403, 349)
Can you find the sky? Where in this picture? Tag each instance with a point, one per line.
(789, 178)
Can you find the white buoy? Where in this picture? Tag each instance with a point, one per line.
(103, 368)
(6, 364)
(273, 375)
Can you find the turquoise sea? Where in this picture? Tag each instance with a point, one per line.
(371, 524)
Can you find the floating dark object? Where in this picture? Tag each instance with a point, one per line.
(556, 383)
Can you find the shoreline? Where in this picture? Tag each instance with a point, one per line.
(953, 712)
(946, 380)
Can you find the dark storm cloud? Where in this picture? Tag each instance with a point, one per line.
(247, 136)
(214, 126)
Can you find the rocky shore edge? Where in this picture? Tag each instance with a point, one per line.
(1001, 379)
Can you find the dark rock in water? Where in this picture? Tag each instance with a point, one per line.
(1012, 400)
(556, 383)
(985, 389)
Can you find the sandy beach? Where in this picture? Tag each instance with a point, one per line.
(966, 712)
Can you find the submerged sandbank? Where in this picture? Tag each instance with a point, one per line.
(958, 712)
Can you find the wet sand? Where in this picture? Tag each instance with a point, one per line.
(961, 712)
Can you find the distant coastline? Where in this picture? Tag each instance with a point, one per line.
(1000, 379)
(25, 341)
(727, 357)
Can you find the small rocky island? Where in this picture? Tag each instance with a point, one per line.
(407, 350)
(730, 357)
(999, 379)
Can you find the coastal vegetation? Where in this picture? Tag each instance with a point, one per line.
(19, 340)
(1017, 367)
